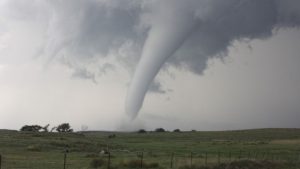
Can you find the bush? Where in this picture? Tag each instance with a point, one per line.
(243, 164)
(151, 165)
(97, 162)
(91, 155)
(195, 167)
(160, 130)
(31, 128)
(132, 164)
(142, 131)
(64, 127)
(137, 164)
(176, 130)
(112, 136)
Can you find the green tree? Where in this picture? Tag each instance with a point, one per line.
(177, 130)
(31, 128)
(160, 130)
(142, 131)
(64, 127)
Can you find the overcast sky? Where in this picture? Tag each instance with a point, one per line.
(73, 61)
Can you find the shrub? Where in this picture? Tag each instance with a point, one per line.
(160, 130)
(243, 164)
(92, 155)
(137, 164)
(64, 127)
(97, 162)
(142, 131)
(132, 164)
(32, 128)
(112, 136)
(151, 165)
(176, 130)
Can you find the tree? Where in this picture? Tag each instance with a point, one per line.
(45, 128)
(176, 130)
(53, 129)
(142, 131)
(31, 128)
(111, 136)
(64, 127)
(160, 130)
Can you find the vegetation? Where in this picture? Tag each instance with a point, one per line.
(112, 136)
(97, 163)
(266, 148)
(159, 130)
(31, 128)
(138, 164)
(64, 127)
(142, 131)
(243, 164)
(176, 130)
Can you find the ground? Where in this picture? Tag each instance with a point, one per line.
(259, 148)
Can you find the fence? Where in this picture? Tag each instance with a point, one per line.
(73, 160)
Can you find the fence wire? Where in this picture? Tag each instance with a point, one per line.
(74, 160)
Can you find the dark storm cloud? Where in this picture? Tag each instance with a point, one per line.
(93, 37)
(228, 21)
(83, 29)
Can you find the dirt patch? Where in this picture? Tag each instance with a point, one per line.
(243, 164)
(286, 142)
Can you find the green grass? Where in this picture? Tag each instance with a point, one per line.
(279, 147)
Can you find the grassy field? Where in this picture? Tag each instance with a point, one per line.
(260, 148)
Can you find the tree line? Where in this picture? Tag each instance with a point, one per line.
(64, 127)
(160, 130)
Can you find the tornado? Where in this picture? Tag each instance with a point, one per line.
(214, 25)
(166, 35)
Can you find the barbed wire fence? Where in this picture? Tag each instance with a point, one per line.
(143, 158)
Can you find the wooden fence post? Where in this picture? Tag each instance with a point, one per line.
(255, 156)
(142, 156)
(171, 165)
(0, 161)
(205, 158)
(219, 157)
(191, 159)
(108, 161)
(263, 156)
(65, 159)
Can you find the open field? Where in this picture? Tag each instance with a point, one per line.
(273, 148)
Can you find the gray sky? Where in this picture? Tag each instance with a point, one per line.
(72, 61)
